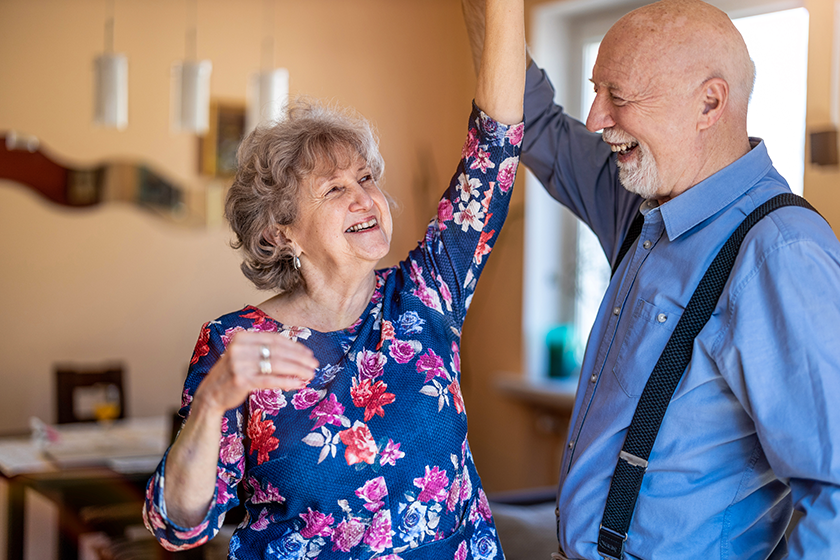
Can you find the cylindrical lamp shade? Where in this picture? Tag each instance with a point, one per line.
(267, 94)
(111, 96)
(191, 96)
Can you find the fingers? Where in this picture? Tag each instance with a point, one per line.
(270, 360)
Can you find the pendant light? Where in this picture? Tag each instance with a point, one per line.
(191, 85)
(110, 82)
(268, 90)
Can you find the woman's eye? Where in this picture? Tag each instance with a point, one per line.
(366, 178)
(334, 190)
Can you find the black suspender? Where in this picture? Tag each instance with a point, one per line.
(660, 387)
(632, 233)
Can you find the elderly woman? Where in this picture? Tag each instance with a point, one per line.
(335, 406)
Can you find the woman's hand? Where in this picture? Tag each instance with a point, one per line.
(251, 361)
(255, 360)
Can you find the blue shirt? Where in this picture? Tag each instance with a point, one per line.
(751, 431)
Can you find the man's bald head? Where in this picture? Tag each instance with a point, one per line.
(687, 42)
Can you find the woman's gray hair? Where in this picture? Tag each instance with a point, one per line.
(273, 163)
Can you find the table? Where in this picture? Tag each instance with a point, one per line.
(78, 463)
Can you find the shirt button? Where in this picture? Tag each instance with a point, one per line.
(661, 317)
(571, 444)
(616, 310)
(594, 378)
(556, 512)
(647, 244)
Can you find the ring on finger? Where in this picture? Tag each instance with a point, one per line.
(265, 360)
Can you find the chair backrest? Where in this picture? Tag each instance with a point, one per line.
(89, 393)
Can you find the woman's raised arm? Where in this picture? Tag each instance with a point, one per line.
(501, 74)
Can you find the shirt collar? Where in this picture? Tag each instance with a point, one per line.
(710, 196)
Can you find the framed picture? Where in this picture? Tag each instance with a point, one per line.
(217, 148)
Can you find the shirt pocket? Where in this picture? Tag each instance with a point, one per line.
(645, 339)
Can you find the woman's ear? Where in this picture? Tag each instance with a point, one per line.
(713, 101)
(276, 235)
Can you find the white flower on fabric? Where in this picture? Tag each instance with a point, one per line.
(470, 216)
(469, 187)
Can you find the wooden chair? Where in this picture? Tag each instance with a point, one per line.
(84, 393)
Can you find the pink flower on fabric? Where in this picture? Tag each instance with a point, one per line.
(470, 145)
(456, 358)
(232, 449)
(391, 453)
(261, 433)
(515, 133)
(429, 297)
(370, 364)
(461, 553)
(457, 398)
(191, 533)
(391, 557)
(444, 291)
(387, 333)
(454, 495)
(378, 535)
(482, 161)
(328, 411)
(360, 445)
(372, 493)
(317, 524)
(186, 398)
(261, 524)
(466, 486)
(264, 496)
(372, 397)
(484, 506)
(201, 347)
(444, 212)
(348, 534)
(152, 518)
(222, 494)
(431, 364)
(269, 401)
(483, 248)
(305, 398)
(507, 173)
(432, 484)
(402, 352)
(179, 547)
(230, 333)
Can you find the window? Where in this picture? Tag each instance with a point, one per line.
(568, 290)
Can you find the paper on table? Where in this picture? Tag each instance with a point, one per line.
(98, 444)
(21, 456)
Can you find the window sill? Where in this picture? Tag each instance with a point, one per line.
(550, 395)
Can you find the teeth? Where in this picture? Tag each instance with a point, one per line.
(623, 147)
(364, 225)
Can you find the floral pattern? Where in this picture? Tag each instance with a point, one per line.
(370, 460)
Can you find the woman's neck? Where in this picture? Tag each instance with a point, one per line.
(322, 305)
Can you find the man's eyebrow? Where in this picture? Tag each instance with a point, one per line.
(608, 85)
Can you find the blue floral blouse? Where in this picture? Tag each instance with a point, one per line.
(371, 459)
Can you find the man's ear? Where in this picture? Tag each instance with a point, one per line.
(714, 97)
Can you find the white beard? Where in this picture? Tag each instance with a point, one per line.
(641, 176)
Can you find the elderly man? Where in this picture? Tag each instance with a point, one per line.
(751, 432)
